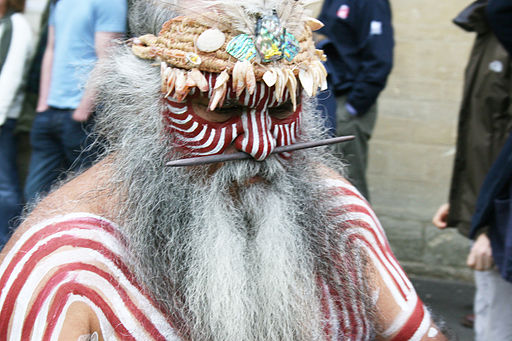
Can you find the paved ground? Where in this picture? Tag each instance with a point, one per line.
(448, 300)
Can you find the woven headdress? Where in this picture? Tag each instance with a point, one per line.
(242, 42)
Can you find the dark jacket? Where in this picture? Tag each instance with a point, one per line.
(494, 209)
(499, 13)
(485, 116)
(359, 48)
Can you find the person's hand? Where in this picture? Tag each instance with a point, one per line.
(480, 256)
(42, 107)
(439, 219)
(81, 114)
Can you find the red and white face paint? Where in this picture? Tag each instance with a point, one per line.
(256, 129)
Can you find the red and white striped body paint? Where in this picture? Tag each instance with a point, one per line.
(413, 320)
(80, 258)
(255, 131)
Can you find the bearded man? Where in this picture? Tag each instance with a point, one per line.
(277, 247)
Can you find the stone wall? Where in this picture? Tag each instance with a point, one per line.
(411, 152)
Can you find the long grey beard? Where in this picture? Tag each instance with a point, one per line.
(226, 258)
(238, 261)
(235, 266)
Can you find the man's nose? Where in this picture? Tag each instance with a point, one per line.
(256, 139)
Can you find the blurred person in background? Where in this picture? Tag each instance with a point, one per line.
(493, 212)
(485, 120)
(79, 34)
(493, 215)
(15, 51)
(358, 41)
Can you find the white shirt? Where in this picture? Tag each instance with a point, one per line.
(13, 72)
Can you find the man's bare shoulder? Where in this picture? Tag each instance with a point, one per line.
(83, 194)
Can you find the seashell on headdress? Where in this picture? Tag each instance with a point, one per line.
(257, 40)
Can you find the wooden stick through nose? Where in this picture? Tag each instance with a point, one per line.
(203, 160)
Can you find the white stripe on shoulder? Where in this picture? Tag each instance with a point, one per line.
(401, 318)
(424, 326)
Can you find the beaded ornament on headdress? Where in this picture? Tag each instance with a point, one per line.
(255, 41)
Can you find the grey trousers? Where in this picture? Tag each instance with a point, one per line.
(493, 307)
(355, 153)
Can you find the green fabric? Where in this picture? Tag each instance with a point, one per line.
(5, 40)
(355, 153)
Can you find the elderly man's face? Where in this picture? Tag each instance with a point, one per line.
(254, 124)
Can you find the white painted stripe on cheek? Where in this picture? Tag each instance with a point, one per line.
(211, 137)
(276, 132)
(293, 133)
(195, 138)
(175, 110)
(281, 129)
(181, 122)
(220, 144)
(287, 130)
(194, 126)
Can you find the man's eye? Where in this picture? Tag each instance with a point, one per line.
(282, 111)
(229, 110)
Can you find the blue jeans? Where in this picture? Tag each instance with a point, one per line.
(10, 191)
(58, 143)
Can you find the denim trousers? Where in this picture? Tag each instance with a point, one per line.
(10, 191)
(59, 144)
